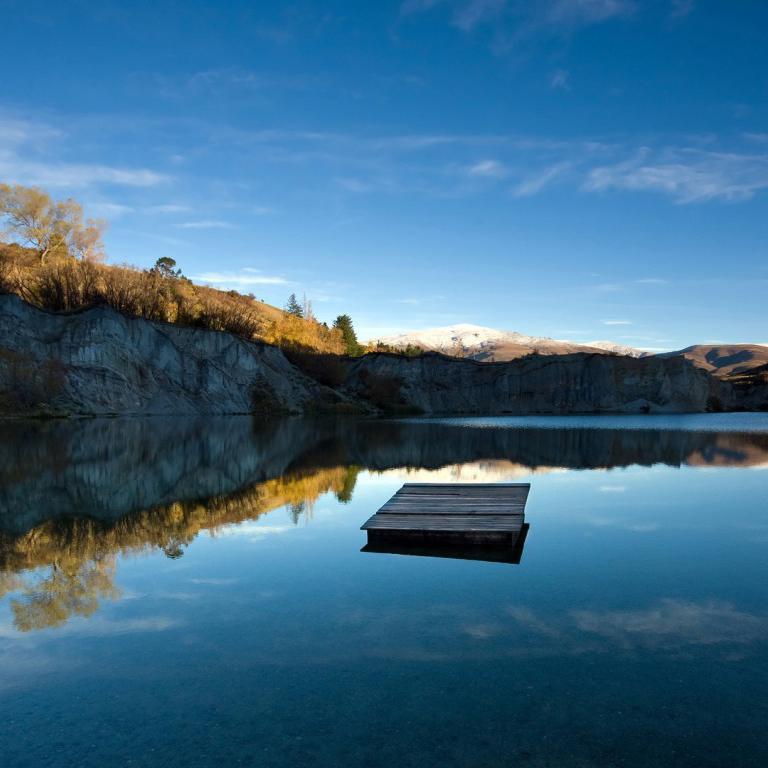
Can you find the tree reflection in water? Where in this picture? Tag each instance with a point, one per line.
(62, 568)
(71, 587)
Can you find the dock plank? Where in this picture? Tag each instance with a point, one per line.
(437, 510)
(433, 509)
(469, 492)
(440, 523)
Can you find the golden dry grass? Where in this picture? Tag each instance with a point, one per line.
(68, 285)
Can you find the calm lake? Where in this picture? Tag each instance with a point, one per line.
(193, 593)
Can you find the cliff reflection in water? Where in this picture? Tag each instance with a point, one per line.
(75, 495)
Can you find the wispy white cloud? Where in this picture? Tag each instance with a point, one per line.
(29, 154)
(686, 175)
(244, 277)
(206, 224)
(419, 162)
(535, 183)
(490, 169)
(15, 132)
(109, 210)
(168, 208)
(652, 281)
(75, 175)
(416, 302)
(617, 322)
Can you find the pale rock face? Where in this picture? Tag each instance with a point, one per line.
(101, 362)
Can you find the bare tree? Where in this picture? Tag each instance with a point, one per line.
(307, 309)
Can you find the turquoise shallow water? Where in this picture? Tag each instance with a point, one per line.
(194, 594)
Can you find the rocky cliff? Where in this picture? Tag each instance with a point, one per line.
(101, 362)
(576, 383)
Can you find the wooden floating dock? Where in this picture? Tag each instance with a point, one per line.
(452, 520)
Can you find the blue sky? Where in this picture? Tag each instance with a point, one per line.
(583, 169)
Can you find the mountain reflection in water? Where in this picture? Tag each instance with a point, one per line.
(75, 495)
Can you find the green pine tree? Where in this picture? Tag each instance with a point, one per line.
(165, 267)
(351, 344)
(293, 307)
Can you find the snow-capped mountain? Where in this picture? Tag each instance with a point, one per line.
(489, 344)
(617, 349)
(449, 338)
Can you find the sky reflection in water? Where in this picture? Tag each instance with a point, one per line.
(191, 593)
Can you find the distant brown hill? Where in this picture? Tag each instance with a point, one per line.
(724, 360)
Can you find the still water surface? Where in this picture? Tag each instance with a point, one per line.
(192, 593)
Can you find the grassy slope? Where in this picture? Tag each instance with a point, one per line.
(69, 285)
(725, 359)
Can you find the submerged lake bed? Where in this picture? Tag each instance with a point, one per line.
(193, 592)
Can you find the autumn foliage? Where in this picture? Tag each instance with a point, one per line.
(66, 567)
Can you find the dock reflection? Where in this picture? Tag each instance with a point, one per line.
(507, 552)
